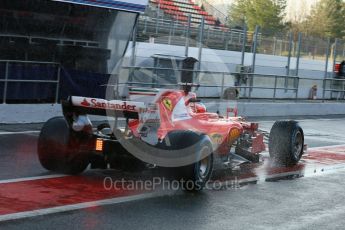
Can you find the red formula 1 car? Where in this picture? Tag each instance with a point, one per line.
(163, 128)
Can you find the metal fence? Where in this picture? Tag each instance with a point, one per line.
(174, 32)
(24, 81)
(249, 85)
(210, 84)
(44, 88)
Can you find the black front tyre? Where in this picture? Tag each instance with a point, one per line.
(286, 142)
(196, 176)
(58, 148)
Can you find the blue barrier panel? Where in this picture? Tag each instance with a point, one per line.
(1, 92)
(2, 70)
(29, 71)
(79, 83)
(72, 82)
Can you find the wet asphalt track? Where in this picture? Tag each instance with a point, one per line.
(311, 202)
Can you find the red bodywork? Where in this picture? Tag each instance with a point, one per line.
(223, 132)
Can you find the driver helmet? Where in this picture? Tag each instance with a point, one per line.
(200, 108)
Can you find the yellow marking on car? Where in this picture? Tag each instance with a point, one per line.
(168, 104)
(216, 138)
(234, 134)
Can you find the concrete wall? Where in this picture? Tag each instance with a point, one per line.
(41, 113)
(280, 109)
(28, 113)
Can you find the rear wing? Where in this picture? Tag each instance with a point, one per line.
(102, 107)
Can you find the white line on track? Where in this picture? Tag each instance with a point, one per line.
(325, 139)
(65, 208)
(31, 178)
(16, 133)
(326, 147)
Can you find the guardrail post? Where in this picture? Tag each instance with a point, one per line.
(170, 32)
(297, 86)
(223, 83)
(145, 26)
(208, 35)
(275, 86)
(298, 52)
(5, 83)
(201, 39)
(254, 47)
(323, 89)
(244, 43)
(188, 34)
(227, 41)
(134, 43)
(327, 56)
(274, 45)
(335, 54)
(157, 18)
(331, 88)
(286, 84)
(250, 85)
(174, 27)
(289, 57)
(57, 85)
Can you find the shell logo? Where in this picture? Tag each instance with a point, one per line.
(234, 134)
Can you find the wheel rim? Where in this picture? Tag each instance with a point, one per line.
(298, 145)
(204, 164)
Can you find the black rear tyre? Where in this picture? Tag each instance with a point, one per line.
(58, 148)
(194, 176)
(286, 142)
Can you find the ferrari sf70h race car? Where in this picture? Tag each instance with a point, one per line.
(160, 128)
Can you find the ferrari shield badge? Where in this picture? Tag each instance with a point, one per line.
(168, 104)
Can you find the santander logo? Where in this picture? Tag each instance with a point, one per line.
(85, 103)
(103, 104)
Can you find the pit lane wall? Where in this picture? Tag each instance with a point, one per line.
(220, 61)
(228, 61)
(25, 113)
